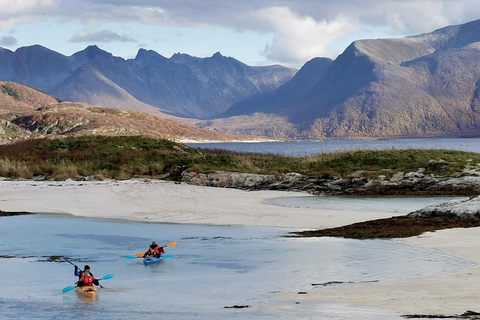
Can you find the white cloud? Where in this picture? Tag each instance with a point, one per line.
(22, 7)
(300, 38)
(101, 36)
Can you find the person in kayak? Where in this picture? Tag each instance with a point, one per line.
(154, 251)
(85, 277)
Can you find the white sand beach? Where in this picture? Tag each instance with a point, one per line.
(160, 201)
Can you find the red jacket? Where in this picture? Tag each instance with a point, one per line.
(86, 279)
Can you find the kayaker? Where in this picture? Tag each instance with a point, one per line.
(154, 250)
(85, 277)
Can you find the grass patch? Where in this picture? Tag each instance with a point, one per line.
(10, 91)
(129, 157)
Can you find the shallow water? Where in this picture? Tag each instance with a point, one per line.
(394, 205)
(214, 267)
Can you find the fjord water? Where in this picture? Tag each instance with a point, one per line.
(214, 267)
(306, 148)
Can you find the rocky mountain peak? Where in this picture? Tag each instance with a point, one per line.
(183, 58)
(149, 57)
(218, 55)
(93, 51)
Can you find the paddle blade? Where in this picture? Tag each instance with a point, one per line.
(131, 257)
(168, 256)
(67, 289)
(108, 276)
(140, 254)
(171, 244)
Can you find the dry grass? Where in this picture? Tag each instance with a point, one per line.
(130, 156)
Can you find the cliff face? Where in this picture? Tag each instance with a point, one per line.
(425, 85)
(182, 85)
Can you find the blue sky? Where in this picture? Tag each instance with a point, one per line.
(262, 32)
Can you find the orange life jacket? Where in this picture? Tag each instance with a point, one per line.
(86, 279)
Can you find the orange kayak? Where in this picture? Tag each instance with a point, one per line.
(86, 292)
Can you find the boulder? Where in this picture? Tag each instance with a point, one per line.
(397, 177)
(468, 208)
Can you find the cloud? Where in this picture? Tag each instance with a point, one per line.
(8, 41)
(300, 29)
(300, 38)
(101, 36)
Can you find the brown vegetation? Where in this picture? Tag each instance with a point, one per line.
(396, 227)
(28, 113)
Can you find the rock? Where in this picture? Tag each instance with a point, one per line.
(411, 175)
(356, 174)
(412, 183)
(397, 177)
(462, 183)
(469, 208)
(291, 177)
(228, 179)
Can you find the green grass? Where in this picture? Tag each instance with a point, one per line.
(10, 91)
(128, 157)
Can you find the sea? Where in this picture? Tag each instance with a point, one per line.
(216, 272)
(307, 147)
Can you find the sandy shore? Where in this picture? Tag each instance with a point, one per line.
(161, 201)
(447, 294)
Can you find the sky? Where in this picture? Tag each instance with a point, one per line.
(256, 32)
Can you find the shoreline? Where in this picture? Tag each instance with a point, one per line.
(448, 294)
(169, 202)
(158, 201)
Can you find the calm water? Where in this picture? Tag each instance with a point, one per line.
(304, 148)
(213, 267)
(393, 205)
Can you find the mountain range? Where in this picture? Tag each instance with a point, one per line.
(419, 86)
(425, 85)
(182, 85)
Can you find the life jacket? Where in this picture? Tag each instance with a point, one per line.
(154, 251)
(86, 279)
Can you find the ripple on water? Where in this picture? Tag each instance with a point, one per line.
(214, 267)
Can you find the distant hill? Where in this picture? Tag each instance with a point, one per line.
(28, 113)
(420, 86)
(183, 85)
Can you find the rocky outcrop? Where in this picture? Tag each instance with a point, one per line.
(469, 208)
(411, 183)
(229, 180)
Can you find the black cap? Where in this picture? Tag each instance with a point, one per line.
(86, 267)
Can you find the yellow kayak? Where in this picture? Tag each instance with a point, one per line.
(88, 292)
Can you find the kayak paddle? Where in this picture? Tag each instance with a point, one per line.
(140, 254)
(71, 263)
(135, 257)
(105, 277)
(67, 289)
